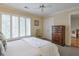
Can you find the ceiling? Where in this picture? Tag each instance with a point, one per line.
(51, 8)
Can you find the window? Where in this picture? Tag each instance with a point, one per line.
(15, 26)
(6, 25)
(22, 26)
(28, 27)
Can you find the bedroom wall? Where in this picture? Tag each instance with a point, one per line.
(40, 27)
(13, 11)
(47, 27)
(62, 18)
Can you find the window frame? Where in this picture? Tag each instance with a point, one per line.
(2, 24)
(18, 24)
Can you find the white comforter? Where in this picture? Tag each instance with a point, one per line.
(20, 48)
(31, 46)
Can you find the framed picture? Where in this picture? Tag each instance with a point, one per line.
(36, 22)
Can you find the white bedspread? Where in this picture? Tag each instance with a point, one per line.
(31, 46)
(20, 48)
(46, 48)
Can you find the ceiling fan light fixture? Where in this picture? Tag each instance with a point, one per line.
(42, 7)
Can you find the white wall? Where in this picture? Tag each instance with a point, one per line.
(34, 28)
(47, 27)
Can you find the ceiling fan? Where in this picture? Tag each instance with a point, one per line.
(41, 7)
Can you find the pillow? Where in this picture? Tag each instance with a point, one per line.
(2, 50)
(2, 38)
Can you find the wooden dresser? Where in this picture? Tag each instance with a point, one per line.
(58, 34)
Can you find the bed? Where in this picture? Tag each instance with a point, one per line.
(31, 46)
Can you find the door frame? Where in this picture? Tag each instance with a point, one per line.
(70, 14)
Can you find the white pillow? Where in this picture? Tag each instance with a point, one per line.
(2, 38)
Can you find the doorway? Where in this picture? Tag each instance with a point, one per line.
(74, 30)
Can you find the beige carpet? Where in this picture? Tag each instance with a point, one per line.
(68, 51)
